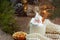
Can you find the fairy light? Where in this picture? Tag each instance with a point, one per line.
(25, 5)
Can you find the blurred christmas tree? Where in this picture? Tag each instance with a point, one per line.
(7, 21)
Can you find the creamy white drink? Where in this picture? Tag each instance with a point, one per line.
(36, 25)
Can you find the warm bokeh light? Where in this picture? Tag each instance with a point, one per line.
(25, 7)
